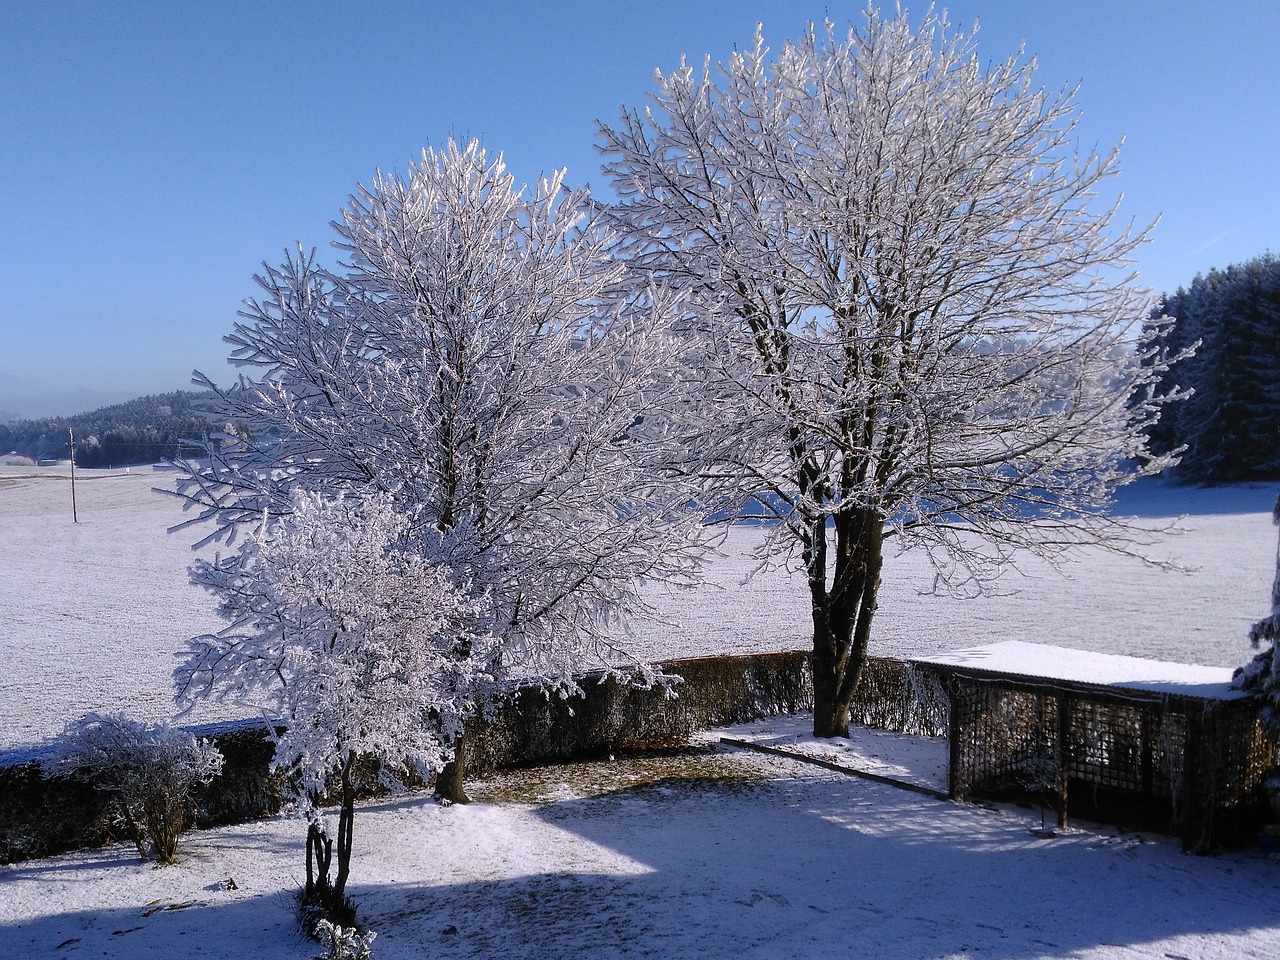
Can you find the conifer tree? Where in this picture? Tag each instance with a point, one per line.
(1231, 419)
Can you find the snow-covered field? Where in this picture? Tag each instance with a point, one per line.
(736, 854)
(92, 613)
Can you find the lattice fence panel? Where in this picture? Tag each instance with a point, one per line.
(1193, 764)
(899, 696)
(1243, 755)
(1005, 738)
(1111, 745)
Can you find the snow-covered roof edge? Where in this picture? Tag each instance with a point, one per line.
(1037, 661)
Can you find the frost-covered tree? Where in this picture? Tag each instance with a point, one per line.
(347, 627)
(1261, 676)
(484, 361)
(919, 320)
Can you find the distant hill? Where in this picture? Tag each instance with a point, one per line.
(146, 430)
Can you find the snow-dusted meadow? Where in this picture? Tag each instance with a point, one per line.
(732, 854)
(92, 613)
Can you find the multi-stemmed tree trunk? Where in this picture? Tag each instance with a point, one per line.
(346, 827)
(330, 895)
(842, 612)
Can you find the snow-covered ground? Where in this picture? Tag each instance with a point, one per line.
(92, 613)
(1103, 603)
(735, 854)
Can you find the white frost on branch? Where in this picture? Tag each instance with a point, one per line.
(913, 297)
(150, 770)
(347, 630)
(485, 369)
(918, 316)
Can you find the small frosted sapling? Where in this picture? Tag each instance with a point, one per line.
(1261, 675)
(344, 943)
(350, 633)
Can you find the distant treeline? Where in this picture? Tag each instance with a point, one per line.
(147, 430)
(1230, 425)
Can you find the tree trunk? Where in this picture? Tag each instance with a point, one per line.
(319, 855)
(449, 781)
(346, 822)
(842, 615)
(830, 715)
(135, 830)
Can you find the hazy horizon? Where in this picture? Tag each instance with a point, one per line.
(36, 404)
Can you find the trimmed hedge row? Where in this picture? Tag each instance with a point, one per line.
(40, 817)
(533, 728)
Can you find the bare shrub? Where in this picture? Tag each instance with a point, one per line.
(149, 770)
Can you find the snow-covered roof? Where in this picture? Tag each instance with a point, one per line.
(1037, 661)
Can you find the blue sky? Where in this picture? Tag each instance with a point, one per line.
(152, 155)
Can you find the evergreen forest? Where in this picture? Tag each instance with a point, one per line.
(150, 429)
(1230, 421)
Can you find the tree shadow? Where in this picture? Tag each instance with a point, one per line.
(260, 927)
(821, 867)
(111, 856)
(806, 864)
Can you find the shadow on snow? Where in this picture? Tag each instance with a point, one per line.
(827, 868)
(808, 865)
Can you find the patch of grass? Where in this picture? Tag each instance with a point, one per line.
(656, 773)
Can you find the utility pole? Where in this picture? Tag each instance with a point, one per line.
(75, 518)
